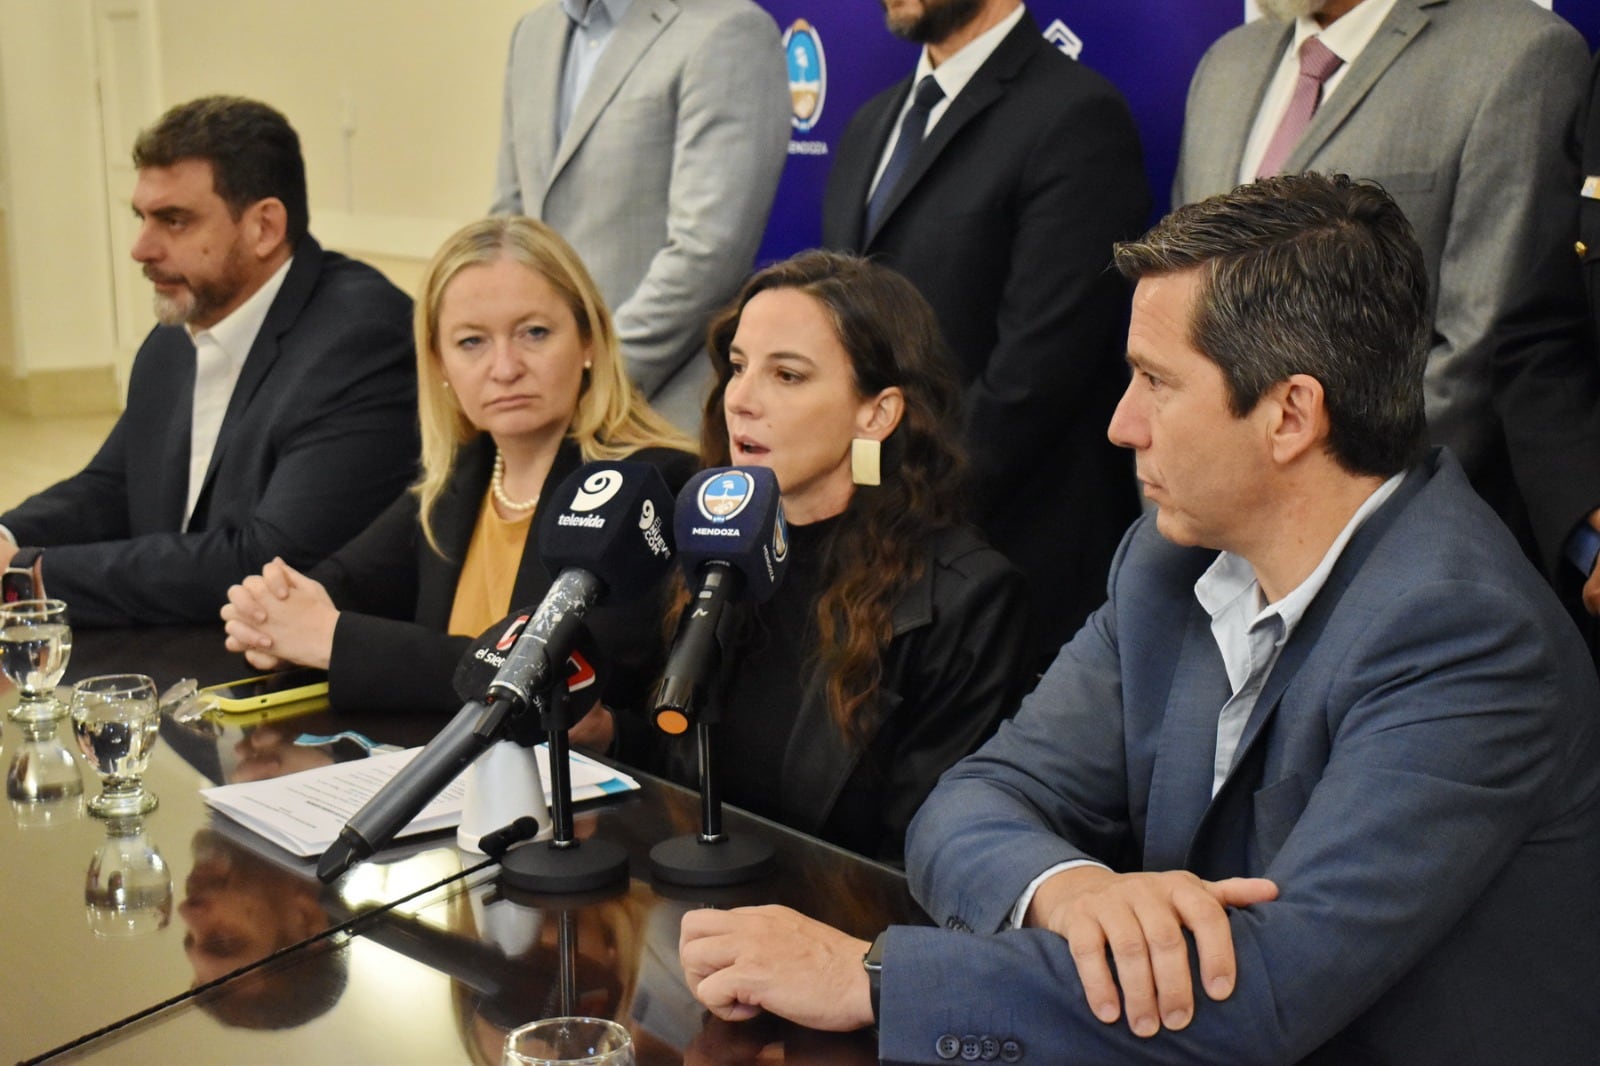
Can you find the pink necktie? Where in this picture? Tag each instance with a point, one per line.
(1317, 64)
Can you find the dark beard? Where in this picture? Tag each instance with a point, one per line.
(940, 19)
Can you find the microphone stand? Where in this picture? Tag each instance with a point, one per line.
(563, 864)
(712, 856)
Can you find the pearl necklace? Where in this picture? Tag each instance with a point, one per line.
(498, 489)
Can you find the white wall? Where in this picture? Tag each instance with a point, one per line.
(397, 103)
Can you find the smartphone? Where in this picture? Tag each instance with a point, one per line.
(269, 690)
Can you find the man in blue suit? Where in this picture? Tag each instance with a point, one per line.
(1321, 781)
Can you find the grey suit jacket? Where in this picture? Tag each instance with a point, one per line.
(1463, 110)
(1420, 776)
(665, 176)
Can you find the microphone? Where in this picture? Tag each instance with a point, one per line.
(608, 543)
(732, 543)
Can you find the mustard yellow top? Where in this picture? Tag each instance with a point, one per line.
(494, 554)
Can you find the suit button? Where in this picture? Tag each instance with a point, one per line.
(990, 1049)
(970, 1049)
(1010, 1051)
(948, 1047)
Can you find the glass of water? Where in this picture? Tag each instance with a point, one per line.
(569, 1042)
(128, 890)
(35, 644)
(116, 722)
(43, 780)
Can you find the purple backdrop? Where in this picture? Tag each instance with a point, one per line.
(1151, 67)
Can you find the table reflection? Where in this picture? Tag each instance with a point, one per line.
(128, 889)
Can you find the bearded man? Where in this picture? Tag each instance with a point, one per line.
(270, 414)
(998, 187)
(1463, 110)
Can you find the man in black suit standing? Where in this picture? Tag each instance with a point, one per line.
(998, 187)
(272, 412)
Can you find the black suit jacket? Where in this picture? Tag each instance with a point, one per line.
(319, 436)
(395, 594)
(1005, 221)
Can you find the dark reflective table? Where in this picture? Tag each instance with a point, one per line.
(420, 956)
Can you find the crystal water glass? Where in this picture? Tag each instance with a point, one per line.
(128, 889)
(569, 1042)
(116, 721)
(43, 780)
(35, 644)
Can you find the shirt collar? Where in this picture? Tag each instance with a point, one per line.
(954, 73)
(596, 14)
(1229, 577)
(1350, 33)
(237, 332)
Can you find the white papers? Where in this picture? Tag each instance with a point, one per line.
(304, 812)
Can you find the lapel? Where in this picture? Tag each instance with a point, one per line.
(1402, 26)
(286, 307)
(630, 40)
(987, 86)
(1180, 784)
(880, 127)
(174, 433)
(533, 580)
(1245, 770)
(543, 78)
(1229, 128)
(817, 763)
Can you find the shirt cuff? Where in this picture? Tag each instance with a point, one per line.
(1582, 545)
(12, 537)
(1020, 911)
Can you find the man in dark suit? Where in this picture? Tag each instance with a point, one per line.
(1003, 215)
(271, 413)
(1583, 548)
(1329, 754)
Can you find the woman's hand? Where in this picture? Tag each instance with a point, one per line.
(280, 616)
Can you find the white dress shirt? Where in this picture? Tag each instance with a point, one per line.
(1347, 38)
(219, 355)
(593, 22)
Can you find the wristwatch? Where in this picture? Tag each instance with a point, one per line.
(21, 579)
(872, 962)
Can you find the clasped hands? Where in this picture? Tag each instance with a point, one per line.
(280, 616)
(773, 958)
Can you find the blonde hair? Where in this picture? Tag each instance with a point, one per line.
(612, 420)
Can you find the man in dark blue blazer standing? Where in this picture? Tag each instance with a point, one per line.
(271, 413)
(1000, 202)
(1321, 781)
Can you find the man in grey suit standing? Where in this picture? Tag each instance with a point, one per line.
(1320, 783)
(651, 134)
(1463, 110)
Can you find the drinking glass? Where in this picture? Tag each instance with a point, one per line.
(43, 780)
(35, 644)
(128, 890)
(116, 722)
(569, 1042)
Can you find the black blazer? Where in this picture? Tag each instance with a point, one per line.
(319, 436)
(955, 666)
(395, 594)
(1005, 221)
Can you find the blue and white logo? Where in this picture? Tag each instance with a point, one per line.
(808, 74)
(726, 495)
(1067, 43)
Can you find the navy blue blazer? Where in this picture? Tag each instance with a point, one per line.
(1421, 778)
(319, 436)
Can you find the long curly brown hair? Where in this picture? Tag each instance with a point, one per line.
(876, 551)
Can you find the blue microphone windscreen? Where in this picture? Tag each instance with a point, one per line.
(733, 515)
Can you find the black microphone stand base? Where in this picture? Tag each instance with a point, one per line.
(730, 860)
(583, 866)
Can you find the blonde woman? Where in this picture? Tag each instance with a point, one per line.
(519, 382)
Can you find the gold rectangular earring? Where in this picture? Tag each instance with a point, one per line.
(866, 461)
